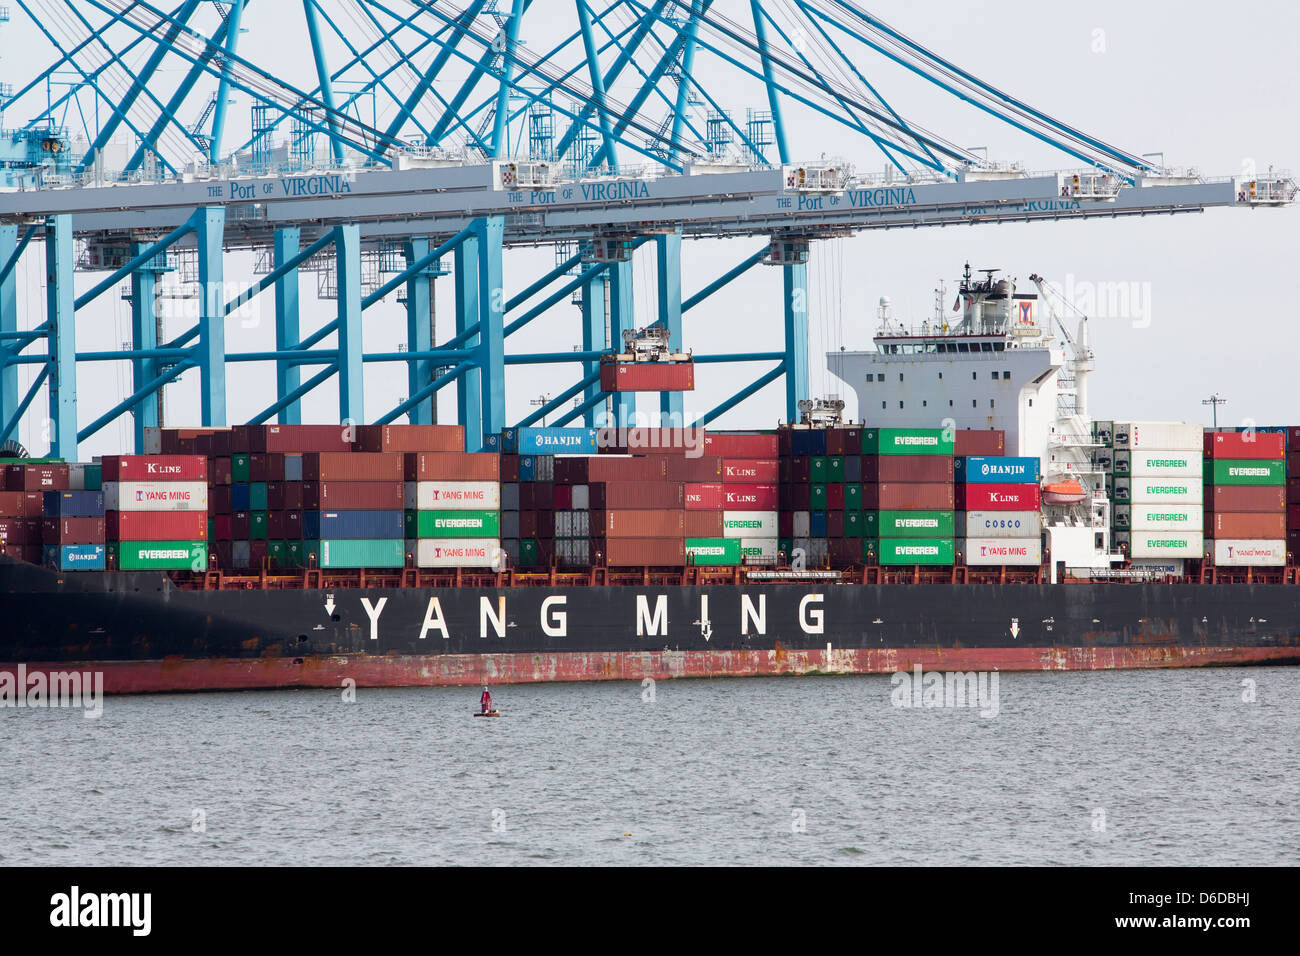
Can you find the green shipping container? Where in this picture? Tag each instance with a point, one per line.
(817, 469)
(785, 546)
(852, 497)
(294, 555)
(916, 551)
(1229, 471)
(278, 553)
(94, 477)
(258, 526)
(257, 496)
(530, 554)
(720, 551)
(835, 469)
(239, 470)
(913, 524)
(817, 498)
(870, 550)
(162, 555)
(456, 524)
(356, 553)
(854, 525)
(907, 441)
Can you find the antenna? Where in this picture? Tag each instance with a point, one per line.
(1215, 401)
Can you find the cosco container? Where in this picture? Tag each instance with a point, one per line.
(1149, 517)
(907, 441)
(915, 524)
(453, 524)
(36, 478)
(455, 496)
(1238, 553)
(155, 496)
(1244, 445)
(75, 557)
(1165, 544)
(351, 525)
(1160, 435)
(154, 468)
(1002, 551)
(458, 553)
(716, 551)
(901, 551)
(162, 555)
(1002, 524)
(355, 553)
(549, 441)
(1230, 471)
(986, 470)
(749, 524)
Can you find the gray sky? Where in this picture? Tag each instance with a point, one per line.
(1209, 88)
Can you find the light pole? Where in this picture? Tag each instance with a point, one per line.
(541, 401)
(1215, 401)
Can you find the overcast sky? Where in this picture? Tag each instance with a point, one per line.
(1209, 88)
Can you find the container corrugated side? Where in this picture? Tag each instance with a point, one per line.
(1154, 489)
(353, 466)
(640, 552)
(742, 444)
(549, 441)
(603, 495)
(415, 438)
(1245, 498)
(764, 548)
(1002, 551)
(909, 496)
(901, 551)
(455, 496)
(1245, 445)
(162, 555)
(997, 470)
(457, 552)
(1140, 463)
(703, 524)
(1247, 525)
(912, 468)
(351, 495)
(747, 497)
(452, 466)
(638, 523)
(1239, 553)
(749, 524)
(1166, 544)
(155, 496)
(358, 553)
(157, 525)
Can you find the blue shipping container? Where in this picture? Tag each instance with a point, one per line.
(352, 525)
(817, 524)
(240, 496)
(75, 557)
(549, 441)
(981, 470)
(808, 442)
(293, 467)
(852, 469)
(73, 504)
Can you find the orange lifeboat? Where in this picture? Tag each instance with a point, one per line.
(1067, 492)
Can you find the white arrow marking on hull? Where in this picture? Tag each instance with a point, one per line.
(329, 604)
(1015, 628)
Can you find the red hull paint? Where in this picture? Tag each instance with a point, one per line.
(177, 675)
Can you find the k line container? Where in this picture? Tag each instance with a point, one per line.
(455, 524)
(358, 553)
(1229, 471)
(749, 524)
(716, 551)
(155, 468)
(454, 496)
(1245, 498)
(907, 441)
(1001, 524)
(1179, 518)
(1165, 544)
(1002, 551)
(916, 524)
(703, 497)
(457, 552)
(1001, 498)
(155, 496)
(1239, 553)
(991, 470)
(1244, 446)
(743, 497)
(902, 551)
(162, 555)
(452, 466)
(750, 470)
(1246, 525)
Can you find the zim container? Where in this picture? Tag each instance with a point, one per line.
(1232, 471)
(162, 555)
(915, 524)
(715, 551)
(904, 551)
(749, 524)
(453, 524)
(907, 441)
(36, 477)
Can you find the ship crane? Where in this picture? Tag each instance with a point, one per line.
(1082, 358)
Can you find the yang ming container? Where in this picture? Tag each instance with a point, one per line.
(457, 552)
(155, 496)
(1237, 553)
(455, 495)
(1002, 551)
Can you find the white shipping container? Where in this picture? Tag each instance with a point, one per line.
(581, 497)
(758, 547)
(155, 496)
(753, 524)
(802, 524)
(152, 442)
(457, 552)
(997, 551)
(1159, 435)
(1238, 553)
(76, 477)
(1001, 524)
(1165, 544)
(1181, 464)
(1149, 517)
(1157, 489)
(452, 496)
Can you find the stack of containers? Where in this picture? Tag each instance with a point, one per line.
(804, 519)
(353, 515)
(1245, 525)
(156, 512)
(268, 516)
(998, 518)
(1293, 493)
(626, 529)
(538, 520)
(915, 517)
(72, 530)
(1157, 489)
(20, 523)
(453, 509)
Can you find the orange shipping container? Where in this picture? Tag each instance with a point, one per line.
(639, 523)
(452, 466)
(639, 552)
(413, 438)
(351, 466)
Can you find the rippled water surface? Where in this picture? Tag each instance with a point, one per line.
(718, 771)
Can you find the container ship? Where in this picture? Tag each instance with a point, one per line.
(977, 519)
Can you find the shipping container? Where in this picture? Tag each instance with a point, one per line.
(72, 530)
(413, 438)
(703, 524)
(457, 552)
(901, 496)
(1178, 436)
(741, 444)
(1001, 524)
(750, 470)
(758, 550)
(1293, 465)
(995, 470)
(36, 478)
(806, 442)
(903, 551)
(1245, 498)
(1149, 517)
(640, 552)
(843, 441)
(22, 504)
(618, 495)
(162, 555)
(549, 441)
(355, 553)
(1250, 525)
(750, 497)
(352, 495)
(713, 551)
(155, 496)
(1153, 489)
(583, 470)
(703, 469)
(346, 525)
(915, 524)
(929, 469)
(638, 523)
(510, 524)
(1232, 471)
(154, 468)
(749, 524)
(1150, 462)
(159, 525)
(75, 557)
(907, 441)
(1001, 551)
(455, 496)
(647, 376)
(353, 466)
(989, 442)
(73, 504)
(20, 531)
(1244, 445)
(453, 524)
(1165, 544)
(452, 466)
(1244, 553)
(296, 439)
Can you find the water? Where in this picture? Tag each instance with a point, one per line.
(710, 772)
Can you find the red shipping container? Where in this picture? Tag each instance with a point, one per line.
(640, 552)
(643, 440)
(1249, 525)
(845, 552)
(843, 441)
(21, 504)
(410, 438)
(352, 466)
(795, 470)
(509, 469)
(20, 532)
(292, 495)
(221, 527)
(257, 553)
(638, 523)
(73, 530)
(647, 376)
(1245, 498)
(451, 466)
(220, 471)
(292, 525)
(295, 438)
(915, 496)
(353, 495)
(1293, 516)
(240, 525)
(1241, 445)
(704, 468)
(785, 524)
(1293, 437)
(751, 470)
(537, 524)
(704, 524)
(159, 525)
(834, 496)
(275, 526)
(586, 469)
(266, 467)
(796, 498)
(741, 445)
(835, 524)
(750, 498)
(543, 495)
(871, 498)
(36, 478)
(275, 496)
(155, 468)
(636, 494)
(1293, 464)
(926, 469)
(871, 467)
(561, 497)
(703, 497)
(1000, 497)
(971, 441)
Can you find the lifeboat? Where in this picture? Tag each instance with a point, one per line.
(1065, 492)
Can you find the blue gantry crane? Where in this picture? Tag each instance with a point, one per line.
(428, 132)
